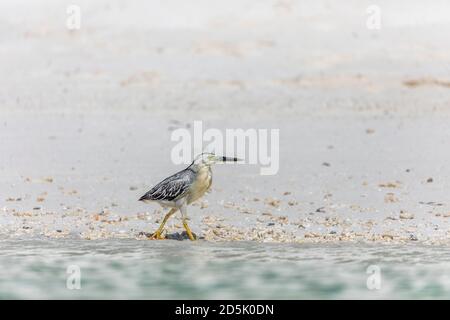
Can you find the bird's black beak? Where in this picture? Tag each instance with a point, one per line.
(230, 159)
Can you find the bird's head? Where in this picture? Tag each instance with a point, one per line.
(208, 159)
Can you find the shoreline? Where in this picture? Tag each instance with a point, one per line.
(363, 116)
(337, 178)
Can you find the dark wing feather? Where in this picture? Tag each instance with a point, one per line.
(172, 187)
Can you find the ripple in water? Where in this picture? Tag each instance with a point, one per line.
(184, 270)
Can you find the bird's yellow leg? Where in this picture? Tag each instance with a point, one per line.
(188, 230)
(157, 235)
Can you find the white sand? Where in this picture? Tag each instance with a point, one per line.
(86, 117)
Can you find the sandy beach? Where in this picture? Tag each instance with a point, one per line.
(87, 115)
(92, 92)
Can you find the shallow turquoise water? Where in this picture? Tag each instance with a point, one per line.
(123, 269)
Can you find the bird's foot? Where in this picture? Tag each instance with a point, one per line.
(157, 236)
(153, 236)
(190, 235)
(188, 231)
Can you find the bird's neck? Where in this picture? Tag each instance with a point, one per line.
(197, 167)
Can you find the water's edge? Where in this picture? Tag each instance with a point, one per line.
(204, 270)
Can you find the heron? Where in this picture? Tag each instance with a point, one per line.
(182, 188)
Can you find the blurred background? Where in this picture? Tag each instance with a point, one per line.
(268, 59)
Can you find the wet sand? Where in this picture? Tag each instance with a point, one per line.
(86, 118)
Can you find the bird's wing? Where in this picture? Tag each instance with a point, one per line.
(171, 188)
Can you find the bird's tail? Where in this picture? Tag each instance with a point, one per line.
(144, 198)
